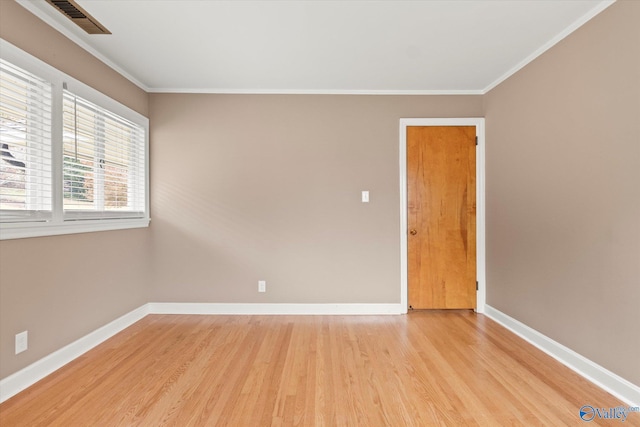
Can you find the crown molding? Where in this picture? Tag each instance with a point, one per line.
(68, 32)
(313, 91)
(33, 7)
(557, 39)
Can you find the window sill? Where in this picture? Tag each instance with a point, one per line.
(22, 231)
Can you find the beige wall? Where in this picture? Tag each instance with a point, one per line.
(268, 187)
(61, 288)
(563, 192)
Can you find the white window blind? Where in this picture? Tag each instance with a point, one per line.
(103, 162)
(25, 146)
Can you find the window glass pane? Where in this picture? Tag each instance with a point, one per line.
(78, 159)
(103, 162)
(25, 145)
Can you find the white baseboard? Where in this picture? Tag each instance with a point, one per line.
(273, 309)
(619, 387)
(15, 383)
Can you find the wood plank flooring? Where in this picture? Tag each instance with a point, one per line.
(432, 368)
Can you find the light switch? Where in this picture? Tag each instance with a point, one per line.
(365, 197)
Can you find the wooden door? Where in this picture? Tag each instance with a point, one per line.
(441, 195)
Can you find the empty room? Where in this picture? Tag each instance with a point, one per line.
(319, 213)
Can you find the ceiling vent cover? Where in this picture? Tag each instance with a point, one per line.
(79, 16)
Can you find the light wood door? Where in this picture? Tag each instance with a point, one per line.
(441, 194)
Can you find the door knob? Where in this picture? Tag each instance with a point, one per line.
(413, 232)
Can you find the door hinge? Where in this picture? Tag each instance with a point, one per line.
(476, 140)
(476, 285)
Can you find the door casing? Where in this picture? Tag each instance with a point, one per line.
(478, 122)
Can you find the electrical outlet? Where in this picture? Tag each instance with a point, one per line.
(262, 286)
(22, 342)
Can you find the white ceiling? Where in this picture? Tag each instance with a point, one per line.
(322, 46)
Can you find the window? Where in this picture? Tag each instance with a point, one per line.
(71, 159)
(103, 162)
(25, 145)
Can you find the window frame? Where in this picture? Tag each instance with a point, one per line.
(57, 224)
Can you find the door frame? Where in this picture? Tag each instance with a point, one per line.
(478, 122)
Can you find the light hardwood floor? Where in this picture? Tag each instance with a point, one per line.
(423, 369)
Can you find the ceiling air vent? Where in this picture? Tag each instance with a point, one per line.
(79, 16)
